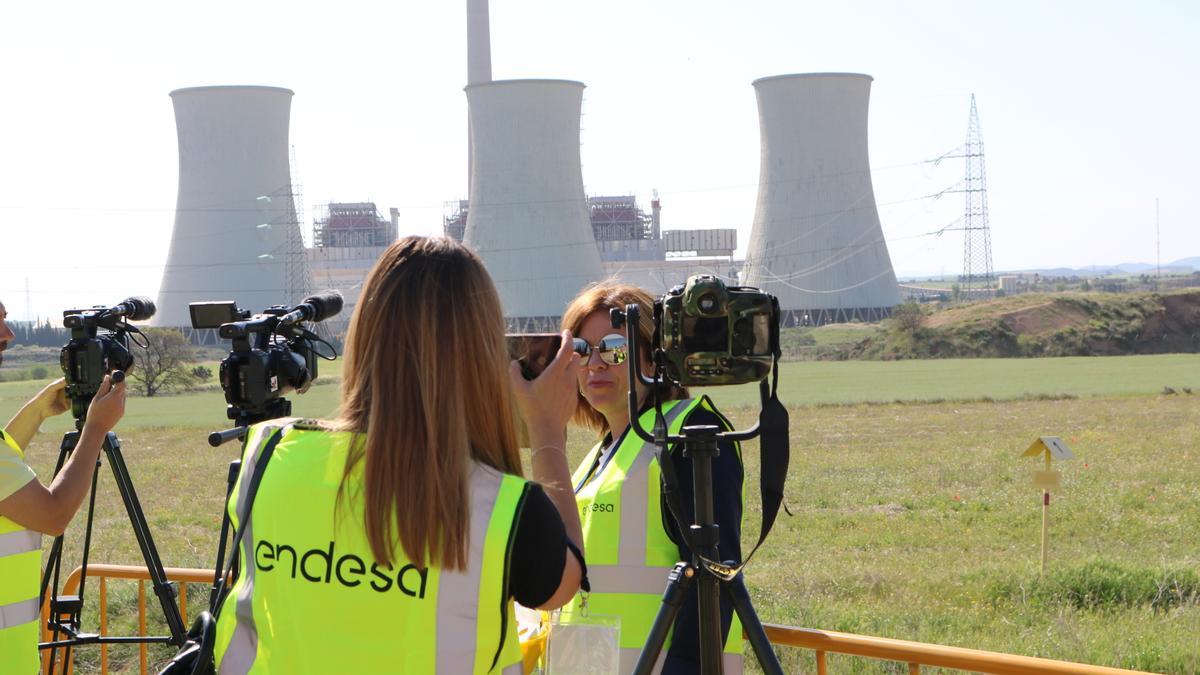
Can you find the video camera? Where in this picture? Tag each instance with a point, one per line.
(99, 345)
(272, 353)
(712, 334)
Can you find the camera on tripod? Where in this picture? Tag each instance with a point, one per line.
(99, 345)
(272, 354)
(707, 333)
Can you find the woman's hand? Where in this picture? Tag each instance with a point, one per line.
(52, 399)
(108, 405)
(548, 402)
(50, 509)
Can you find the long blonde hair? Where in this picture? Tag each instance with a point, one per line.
(425, 387)
(604, 296)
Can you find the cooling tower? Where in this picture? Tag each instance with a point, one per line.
(528, 216)
(236, 235)
(817, 244)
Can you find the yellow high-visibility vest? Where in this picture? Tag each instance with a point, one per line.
(20, 567)
(628, 551)
(310, 598)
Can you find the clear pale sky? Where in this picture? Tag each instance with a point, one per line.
(1088, 110)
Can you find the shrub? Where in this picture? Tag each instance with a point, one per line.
(908, 316)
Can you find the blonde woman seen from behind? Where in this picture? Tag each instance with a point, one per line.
(395, 537)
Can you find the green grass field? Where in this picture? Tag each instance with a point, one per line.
(913, 520)
(801, 383)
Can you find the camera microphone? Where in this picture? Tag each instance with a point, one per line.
(316, 307)
(135, 308)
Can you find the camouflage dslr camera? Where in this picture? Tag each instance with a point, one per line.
(712, 334)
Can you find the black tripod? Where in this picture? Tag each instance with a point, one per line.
(66, 610)
(700, 443)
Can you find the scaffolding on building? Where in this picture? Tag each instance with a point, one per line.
(618, 218)
(454, 219)
(353, 224)
(299, 277)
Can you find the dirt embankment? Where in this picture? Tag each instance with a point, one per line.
(1073, 324)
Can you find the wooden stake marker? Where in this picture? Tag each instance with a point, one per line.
(1052, 448)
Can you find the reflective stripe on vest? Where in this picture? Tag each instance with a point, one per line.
(243, 644)
(20, 568)
(18, 613)
(628, 551)
(310, 599)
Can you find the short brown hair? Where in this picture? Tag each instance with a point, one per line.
(604, 296)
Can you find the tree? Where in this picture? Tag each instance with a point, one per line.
(165, 364)
(908, 317)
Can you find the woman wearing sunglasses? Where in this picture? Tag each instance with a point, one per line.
(631, 541)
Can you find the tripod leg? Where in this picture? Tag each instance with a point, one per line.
(710, 625)
(679, 582)
(141, 530)
(69, 440)
(65, 610)
(740, 597)
(235, 468)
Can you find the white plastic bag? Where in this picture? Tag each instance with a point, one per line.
(589, 645)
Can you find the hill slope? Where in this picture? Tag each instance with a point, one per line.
(1072, 324)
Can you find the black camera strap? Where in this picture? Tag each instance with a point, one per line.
(775, 452)
(774, 455)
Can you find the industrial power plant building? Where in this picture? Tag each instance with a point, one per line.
(816, 242)
(236, 234)
(348, 238)
(633, 246)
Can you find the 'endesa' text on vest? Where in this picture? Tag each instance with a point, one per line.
(320, 566)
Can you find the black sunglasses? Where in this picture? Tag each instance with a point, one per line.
(611, 348)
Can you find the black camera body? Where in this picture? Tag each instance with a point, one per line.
(99, 345)
(713, 334)
(272, 353)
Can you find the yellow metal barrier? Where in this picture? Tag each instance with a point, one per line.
(102, 573)
(915, 654)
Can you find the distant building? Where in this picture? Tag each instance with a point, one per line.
(454, 223)
(1011, 283)
(348, 238)
(623, 231)
(356, 224)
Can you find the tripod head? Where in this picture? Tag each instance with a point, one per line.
(628, 319)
